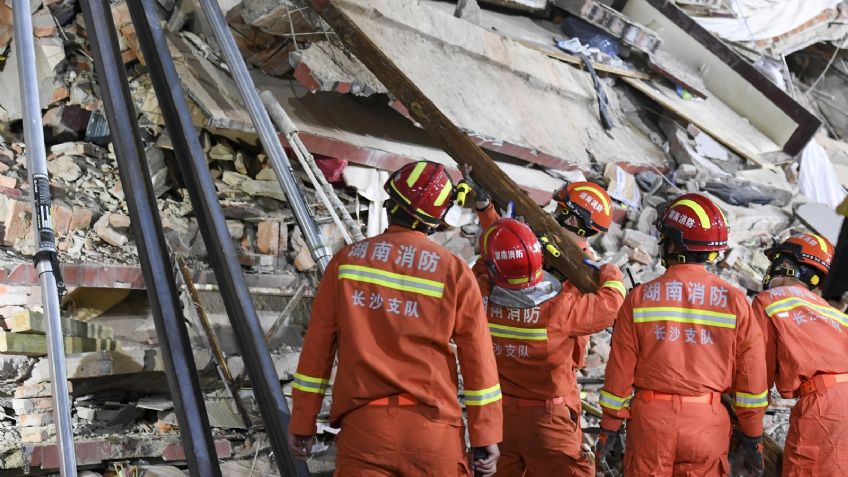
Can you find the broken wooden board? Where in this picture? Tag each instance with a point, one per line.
(36, 345)
(568, 58)
(714, 118)
(87, 303)
(32, 322)
(346, 21)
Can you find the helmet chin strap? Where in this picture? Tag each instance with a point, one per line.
(784, 266)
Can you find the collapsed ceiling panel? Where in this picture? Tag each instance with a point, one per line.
(492, 87)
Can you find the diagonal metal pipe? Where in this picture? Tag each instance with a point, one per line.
(213, 228)
(153, 255)
(270, 141)
(46, 259)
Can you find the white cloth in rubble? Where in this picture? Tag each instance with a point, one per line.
(368, 182)
(817, 178)
(765, 18)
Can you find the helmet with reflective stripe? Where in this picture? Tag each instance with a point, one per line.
(695, 224)
(512, 253)
(807, 249)
(589, 202)
(423, 189)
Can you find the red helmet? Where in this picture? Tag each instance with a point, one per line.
(695, 224)
(589, 202)
(423, 189)
(807, 249)
(512, 253)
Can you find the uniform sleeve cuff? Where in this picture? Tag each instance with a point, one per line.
(302, 426)
(611, 423)
(751, 427)
(485, 438)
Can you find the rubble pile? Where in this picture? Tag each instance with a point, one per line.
(517, 85)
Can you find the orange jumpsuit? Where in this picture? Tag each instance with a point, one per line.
(806, 337)
(680, 340)
(390, 306)
(534, 348)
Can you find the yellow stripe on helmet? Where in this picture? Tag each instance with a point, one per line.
(598, 194)
(699, 211)
(416, 174)
(486, 238)
(444, 194)
(822, 242)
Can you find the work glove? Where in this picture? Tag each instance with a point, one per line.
(608, 441)
(749, 455)
(484, 462)
(481, 196)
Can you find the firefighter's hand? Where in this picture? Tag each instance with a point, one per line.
(300, 446)
(607, 442)
(751, 454)
(481, 196)
(487, 466)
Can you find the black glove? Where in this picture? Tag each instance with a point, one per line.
(608, 441)
(480, 194)
(750, 454)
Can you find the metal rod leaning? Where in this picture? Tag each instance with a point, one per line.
(324, 188)
(213, 229)
(270, 141)
(46, 258)
(159, 279)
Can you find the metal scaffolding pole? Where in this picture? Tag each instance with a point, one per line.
(324, 189)
(153, 256)
(213, 228)
(46, 258)
(262, 123)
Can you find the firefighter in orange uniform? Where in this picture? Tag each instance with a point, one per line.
(681, 340)
(807, 355)
(534, 319)
(390, 306)
(584, 209)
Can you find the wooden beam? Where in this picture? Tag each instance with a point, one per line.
(33, 322)
(36, 345)
(459, 146)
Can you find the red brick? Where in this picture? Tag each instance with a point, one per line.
(18, 222)
(175, 451)
(62, 215)
(303, 74)
(268, 238)
(81, 219)
(8, 182)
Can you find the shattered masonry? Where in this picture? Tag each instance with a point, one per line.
(496, 72)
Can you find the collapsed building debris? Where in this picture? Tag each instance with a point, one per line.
(501, 79)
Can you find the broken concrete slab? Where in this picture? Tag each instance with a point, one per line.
(340, 127)
(730, 79)
(495, 108)
(49, 55)
(821, 219)
(112, 363)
